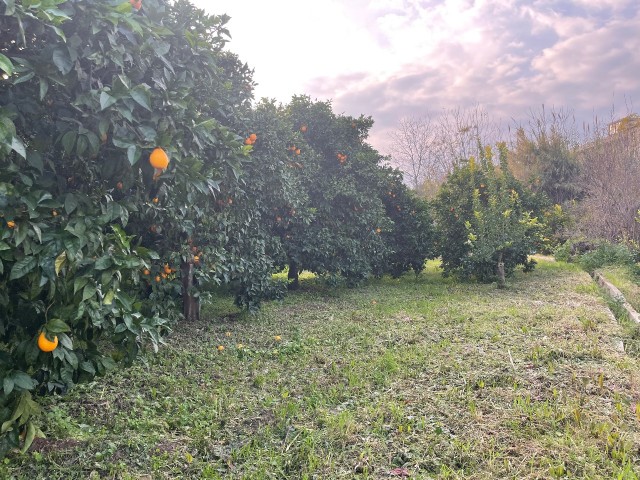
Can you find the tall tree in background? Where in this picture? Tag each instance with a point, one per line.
(412, 147)
(610, 172)
(428, 148)
(544, 155)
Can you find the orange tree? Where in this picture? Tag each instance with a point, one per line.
(410, 241)
(273, 187)
(93, 240)
(349, 228)
(339, 175)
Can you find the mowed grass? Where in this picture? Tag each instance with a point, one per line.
(417, 377)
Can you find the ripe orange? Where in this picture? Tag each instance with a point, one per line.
(45, 344)
(303, 128)
(196, 259)
(253, 137)
(137, 4)
(163, 275)
(11, 224)
(158, 158)
(167, 269)
(155, 200)
(158, 279)
(146, 271)
(247, 141)
(298, 151)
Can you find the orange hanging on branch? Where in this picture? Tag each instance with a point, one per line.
(159, 158)
(45, 344)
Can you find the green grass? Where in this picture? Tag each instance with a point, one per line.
(442, 379)
(626, 280)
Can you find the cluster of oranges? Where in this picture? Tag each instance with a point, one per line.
(342, 158)
(163, 274)
(251, 139)
(197, 254)
(294, 149)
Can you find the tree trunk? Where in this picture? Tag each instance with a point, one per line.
(501, 276)
(293, 276)
(190, 303)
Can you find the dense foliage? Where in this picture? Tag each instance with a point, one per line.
(136, 176)
(486, 220)
(94, 240)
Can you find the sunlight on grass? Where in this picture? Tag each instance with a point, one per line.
(439, 378)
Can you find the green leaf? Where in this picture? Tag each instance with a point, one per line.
(106, 100)
(55, 325)
(28, 438)
(7, 385)
(38, 231)
(103, 263)
(24, 78)
(88, 292)
(18, 146)
(6, 65)
(124, 7)
(82, 144)
(133, 154)
(65, 341)
(69, 141)
(24, 381)
(71, 359)
(62, 60)
(70, 203)
(11, 7)
(22, 267)
(88, 367)
(44, 88)
(141, 95)
(108, 298)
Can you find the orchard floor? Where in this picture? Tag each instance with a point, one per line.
(412, 378)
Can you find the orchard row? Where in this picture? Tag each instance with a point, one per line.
(136, 176)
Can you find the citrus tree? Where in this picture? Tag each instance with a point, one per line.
(410, 240)
(339, 234)
(486, 221)
(118, 168)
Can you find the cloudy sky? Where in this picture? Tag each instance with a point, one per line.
(397, 58)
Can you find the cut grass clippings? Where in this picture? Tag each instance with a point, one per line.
(417, 377)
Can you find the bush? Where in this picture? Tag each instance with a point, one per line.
(606, 253)
(592, 254)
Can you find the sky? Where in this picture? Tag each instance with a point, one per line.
(392, 59)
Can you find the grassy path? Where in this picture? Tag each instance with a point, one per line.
(421, 377)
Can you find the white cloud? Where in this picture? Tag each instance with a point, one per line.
(390, 58)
